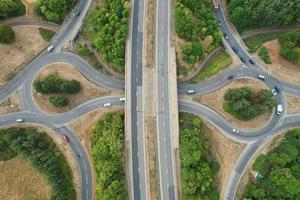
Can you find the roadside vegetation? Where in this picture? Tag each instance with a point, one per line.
(198, 167)
(290, 46)
(11, 8)
(215, 64)
(46, 34)
(53, 84)
(247, 15)
(108, 157)
(264, 55)
(196, 26)
(256, 42)
(244, 104)
(7, 34)
(107, 28)
(44, 156)
(281, 171)
(56, 10)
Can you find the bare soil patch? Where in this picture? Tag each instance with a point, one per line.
(13, 56)
(293, 104)
(215, 100)
(20, 181)
(11, 104)
(281, 67)
(149, 53)
(30, 4)
(226, 151)
(65, 71)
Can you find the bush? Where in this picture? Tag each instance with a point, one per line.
(290, 45)
(192, 52)
(11, 8)
(58, 101)
(244, 105)
(53, 84)
(46, 34)
(44, 156)
(54, 10)
(7, 35)
(264, 55)
(82, 50)
(108, 157)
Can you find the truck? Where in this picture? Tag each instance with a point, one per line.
(215, 5)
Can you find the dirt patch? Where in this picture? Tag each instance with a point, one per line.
(65, 71)
(11, 104)
(27, 45)
(215, 100)
(30, 5)
(226, 152)
(149, 45)
(249, 173)
(20, 181)
(293, 104)
(281, 67)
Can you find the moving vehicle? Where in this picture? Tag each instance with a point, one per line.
(77, 13)
(225, 36)
(234, 49)
(122, 99)
(261, 77)
(216, 5)
(19, 120)
(279, 109)
(274, 92)
(66, 138)
(251, 61)
(277, 89)
(191, 92)
(107, 104)
(235, 130)
(230, 77)
(243, 59)
(50, 48)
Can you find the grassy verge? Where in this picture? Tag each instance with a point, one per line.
(216, 63)
(255, 42)
(44, 156)
(108, 156)
(198, 167)
(46, 34)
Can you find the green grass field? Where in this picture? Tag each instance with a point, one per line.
(255, 42)
(218, 62)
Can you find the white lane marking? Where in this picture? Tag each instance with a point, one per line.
(166, 155)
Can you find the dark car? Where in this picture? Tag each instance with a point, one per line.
(230, 77)
(277, 89)
(234, 49)
(243, 59)
(251, 61)
(77, 13)
(225, 36)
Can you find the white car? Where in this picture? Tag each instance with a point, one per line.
(279, 109)
(107, 104)
(50, 48)
(274, 92)
(19, 120)
(191, 91)
(122, 99)
(235, 130)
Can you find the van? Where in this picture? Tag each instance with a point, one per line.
(261, 77)
(191, 92)
(279, 109)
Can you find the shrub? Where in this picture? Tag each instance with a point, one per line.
(264, 55)
(82, 50)
(53, 84)
(7, 35)
(192, 52)
(46, 34)
(58, 101)
(290, 45)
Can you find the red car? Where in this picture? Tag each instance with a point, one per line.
(66, 138)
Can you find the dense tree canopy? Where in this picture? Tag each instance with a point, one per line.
(244, 105)
(192, 52)
(281, 169)
(44, 156)
(290, 46)
(108, 157)
(263, 13)
(11, 8)
(7, 34)
(107, 28)
(198, 168)
(55, 10)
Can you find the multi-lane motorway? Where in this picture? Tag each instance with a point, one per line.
(59, 122)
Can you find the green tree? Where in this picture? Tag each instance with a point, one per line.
(192, 52)
(264, 55)
(11, 8)
(7, 35)
(58, 101)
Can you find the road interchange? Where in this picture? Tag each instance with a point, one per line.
(32, 114)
